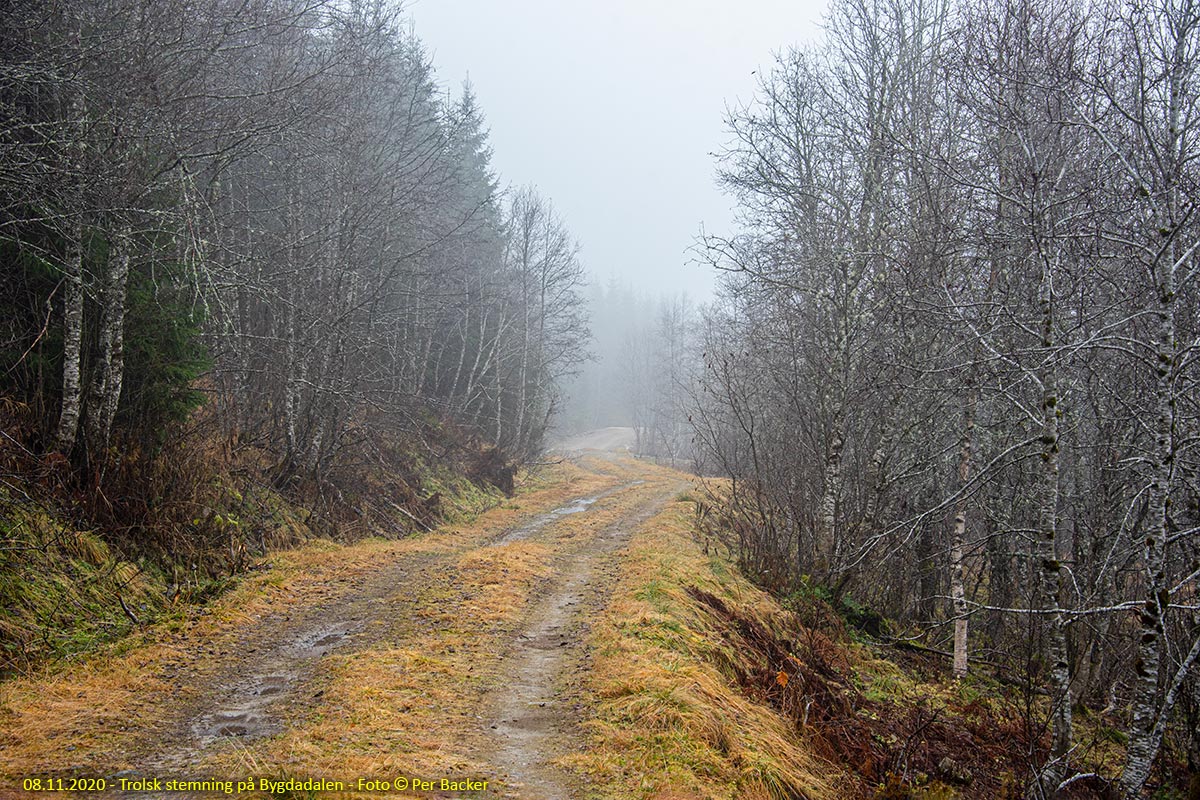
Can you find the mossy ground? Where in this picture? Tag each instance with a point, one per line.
(66, 589)
(62, 589)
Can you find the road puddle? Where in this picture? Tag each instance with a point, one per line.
(246, 709)
(577, 506)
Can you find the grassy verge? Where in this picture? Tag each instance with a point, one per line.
(63, 591)
(669, 718)
(704, 686)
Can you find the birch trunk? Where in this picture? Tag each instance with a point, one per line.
(454, 396)
(499, 437)
(68, 420)
(1143, 744)
(827, 530)
(475, 374)
(958, 595)
(1050, 568)
(105, 390)
(523, 376)
(1194, 739)
(1149, 720)
(826, 540)
(290, 381)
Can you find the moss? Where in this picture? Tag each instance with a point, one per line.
(63, 591)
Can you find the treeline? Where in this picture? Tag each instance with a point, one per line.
(953, 366)
(643, 361)
(267, 208)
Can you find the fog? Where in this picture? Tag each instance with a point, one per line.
(613, 109)
(268, 273)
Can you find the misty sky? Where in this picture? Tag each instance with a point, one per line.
(611, 108)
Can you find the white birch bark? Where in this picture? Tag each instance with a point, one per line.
(68, 420)
(1142, 745)
(1179, 22)
(958, 595)
(1050, 568)
(108, 375)
(827, 530)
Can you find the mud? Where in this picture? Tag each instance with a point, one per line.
(269, 678)
(226, 693)
(246, 709)
(533, 714)
(574, 507)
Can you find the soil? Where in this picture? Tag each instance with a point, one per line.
(534, 715)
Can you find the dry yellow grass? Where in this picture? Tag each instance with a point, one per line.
(405, 710)
(417, 709)
(665, 722)
(96, 711)
(499, 579)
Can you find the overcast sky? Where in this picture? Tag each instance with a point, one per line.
(612, 107)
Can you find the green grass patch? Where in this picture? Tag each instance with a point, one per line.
(64, 591)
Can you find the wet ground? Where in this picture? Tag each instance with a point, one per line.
(271, 673)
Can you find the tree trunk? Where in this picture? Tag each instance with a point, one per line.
(68, 420)
(1149, 720)
(105, 390)
(1143, 745)
(1050, 568)
(827, 527)
(958, 593)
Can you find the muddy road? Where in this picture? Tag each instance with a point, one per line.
(449, 658)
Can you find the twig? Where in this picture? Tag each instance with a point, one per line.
(408, 514)
(133, 617)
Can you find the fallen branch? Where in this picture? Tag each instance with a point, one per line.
(132, 617)
(906, 644)
(408, 514)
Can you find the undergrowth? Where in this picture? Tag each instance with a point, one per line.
(63, 589)
(882, 721)
(706, 686)
(85, 558)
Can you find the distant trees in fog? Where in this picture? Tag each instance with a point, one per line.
(641, 372)
(274, 204)
(953, 367)
(660, 364)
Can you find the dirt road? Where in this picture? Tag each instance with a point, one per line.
(611, 440)
(447, 658)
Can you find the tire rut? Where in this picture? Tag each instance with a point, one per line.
(533, 716)
(253, 695)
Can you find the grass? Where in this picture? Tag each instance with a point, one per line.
(104, 708)
(62, 589)
(703, 686)
(406, 705)
(666, 720)
(693, 685)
